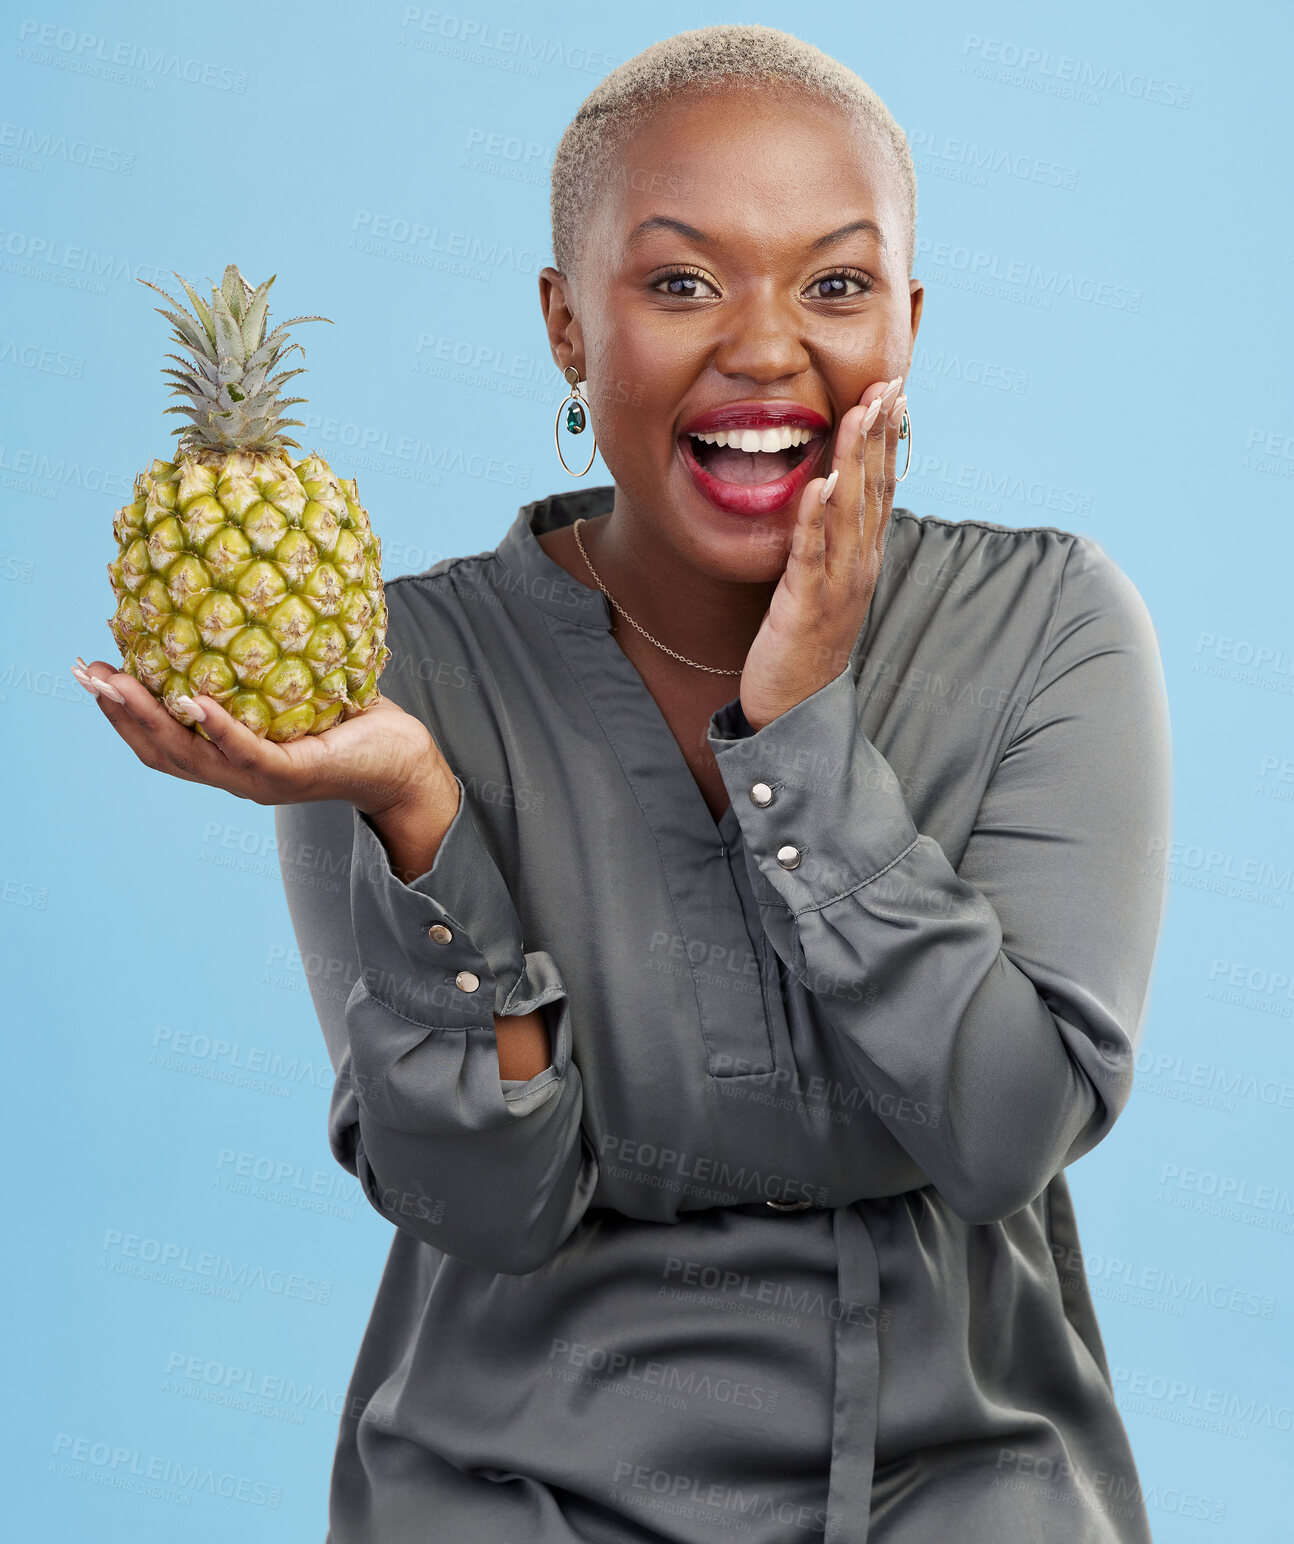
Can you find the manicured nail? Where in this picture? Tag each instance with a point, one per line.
(829, 487)
(82, 663)
(869, 417)
(897, 411)
(81, 673)
(106, 690)
(192, 708)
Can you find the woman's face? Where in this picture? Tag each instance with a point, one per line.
(745, 272)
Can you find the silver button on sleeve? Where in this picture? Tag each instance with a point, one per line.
(761, 795)
(788, 857)
(467, 981)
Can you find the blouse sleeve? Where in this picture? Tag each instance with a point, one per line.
(494, 1171)
(1008, 993)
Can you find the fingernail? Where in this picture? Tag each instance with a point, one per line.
(81, 673)
(192, 708)
(108, 691)
(829, 487)
(869, 418)
(82, 663)
(896, 412)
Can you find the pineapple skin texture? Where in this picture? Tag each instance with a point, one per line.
(255, 579)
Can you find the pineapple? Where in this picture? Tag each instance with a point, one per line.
(242, 572)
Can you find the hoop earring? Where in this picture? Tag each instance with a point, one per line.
(905, 433)
(577, 419)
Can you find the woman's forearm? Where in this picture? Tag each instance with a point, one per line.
(412, 833)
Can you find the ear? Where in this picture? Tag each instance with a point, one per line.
(565, 336)
(917, 294)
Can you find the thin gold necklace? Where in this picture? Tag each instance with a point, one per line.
(576, 530)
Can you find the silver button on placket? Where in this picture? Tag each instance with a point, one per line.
(761, 795)
(788, 857)
(467, 981)
(789, 1206)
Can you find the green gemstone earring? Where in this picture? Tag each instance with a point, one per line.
(577, 419)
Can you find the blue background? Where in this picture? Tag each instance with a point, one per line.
(150, 956)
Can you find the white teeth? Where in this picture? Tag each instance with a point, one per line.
(757, 439)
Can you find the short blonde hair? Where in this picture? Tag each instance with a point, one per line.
(707, 58)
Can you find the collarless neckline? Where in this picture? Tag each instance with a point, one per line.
(547, 584)
(557, 591)
(554, 590)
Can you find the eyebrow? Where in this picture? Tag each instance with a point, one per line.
(664, 222)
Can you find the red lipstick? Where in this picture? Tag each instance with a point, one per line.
(756, 414)
(754, 498)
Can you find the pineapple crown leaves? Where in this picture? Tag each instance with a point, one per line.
(227, 390)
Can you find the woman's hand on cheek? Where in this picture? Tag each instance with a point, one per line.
(821, 601)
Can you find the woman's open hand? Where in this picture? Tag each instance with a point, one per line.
(821, 601)
(381, 760)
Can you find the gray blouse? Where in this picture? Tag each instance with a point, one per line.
(780, 1244)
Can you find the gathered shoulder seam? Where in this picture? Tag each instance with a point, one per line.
(1046, 642)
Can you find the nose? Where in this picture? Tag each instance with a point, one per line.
(761, 340)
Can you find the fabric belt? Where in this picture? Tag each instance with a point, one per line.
(857, 1382)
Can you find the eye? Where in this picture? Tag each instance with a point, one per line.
(836, 280)
(683, 284)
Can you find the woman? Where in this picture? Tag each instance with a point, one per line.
(745, 914)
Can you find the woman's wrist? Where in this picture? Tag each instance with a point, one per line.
(413, 826)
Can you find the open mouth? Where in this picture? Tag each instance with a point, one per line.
(751, 456)
(750, 469)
